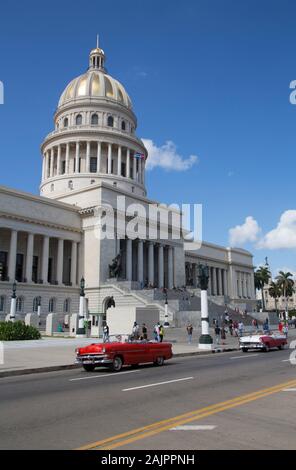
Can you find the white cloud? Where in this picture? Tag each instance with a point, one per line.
(247, 232)
(167, 157)
(284, 235)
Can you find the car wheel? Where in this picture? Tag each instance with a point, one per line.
(266, 348)
(89, 367)
(280, 346)
(159, 361)
(245, 349)
(117, 364)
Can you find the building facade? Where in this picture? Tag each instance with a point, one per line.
(92, 194)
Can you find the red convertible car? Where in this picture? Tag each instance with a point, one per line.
(265, 342)
(122, 350)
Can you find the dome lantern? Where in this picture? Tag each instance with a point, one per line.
(97, 58)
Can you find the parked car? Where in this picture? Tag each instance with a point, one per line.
(122, 350)
(265, 342)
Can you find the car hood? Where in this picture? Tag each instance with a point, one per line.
(92, 348)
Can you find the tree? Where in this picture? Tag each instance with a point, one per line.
(261, 277)
(275, 292)
(286, 284)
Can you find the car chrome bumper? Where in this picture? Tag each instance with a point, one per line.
(252, 345)
(93, 359)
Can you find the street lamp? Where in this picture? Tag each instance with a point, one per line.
(81, 328)
(13, 303)
(205, 340)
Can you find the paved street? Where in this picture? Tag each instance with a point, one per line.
(73, 409)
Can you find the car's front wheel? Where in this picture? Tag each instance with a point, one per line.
(245, 349)
(89, 367)
(117, 364)
(266, 348)
(159, 361)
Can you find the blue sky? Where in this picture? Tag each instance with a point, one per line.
(211, 76)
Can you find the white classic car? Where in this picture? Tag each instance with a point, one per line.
(264, 342)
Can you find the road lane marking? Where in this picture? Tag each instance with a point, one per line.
(156, 384)
(286, 360)
(289, 390)
(193, 427)
(133, 435)
(104, 375)
(244, 357)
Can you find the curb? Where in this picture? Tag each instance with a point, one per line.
(40, 370)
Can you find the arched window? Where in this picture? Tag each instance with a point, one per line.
(110, 121)
(36, 302)
(70, 184)
(95, 119)
(52, 305)
(19, 304)
(67, 305)
(66, 122)
(78, 120)
(123, 126)
(2, 303)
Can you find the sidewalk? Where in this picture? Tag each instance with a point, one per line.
(49, 354)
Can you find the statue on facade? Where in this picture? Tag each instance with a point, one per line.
(203, 276)
(115, 267)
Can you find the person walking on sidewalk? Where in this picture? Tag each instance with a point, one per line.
(217, 333)
(161, 333)
(105, 333)
(223, 334)
(189, 329)
(240, 328)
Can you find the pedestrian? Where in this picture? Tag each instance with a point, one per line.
(281, 326)
(105, 333)
(156, 331)
(285, 329)
(255, 324)
(240, 328)
(161, 333)
(217, 334)
(266, 327)
(235, 327)
(144, 331)
(189, 329)
(135, 331)
(231, 327)
(223, 334)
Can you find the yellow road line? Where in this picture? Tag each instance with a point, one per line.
(160, 426)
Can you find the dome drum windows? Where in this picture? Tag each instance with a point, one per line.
(94, 120)
(66, 122)
(78, 120)
(110, 121)
(123, 125)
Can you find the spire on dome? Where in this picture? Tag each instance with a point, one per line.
(97, 58)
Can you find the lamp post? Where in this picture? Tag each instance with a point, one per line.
(166, 315)
(13, 303)
(205, 340)
(81, 328)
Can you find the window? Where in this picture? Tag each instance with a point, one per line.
(78, 120)
(3, 265)
(52, 305)
(95, 120)
(35, 269)
(66, 122)
(19, 267)
(67, 305)
(123, 126)
(36, 302)
(110, 121)
(2, 303)
(19, 304)
(93, 164)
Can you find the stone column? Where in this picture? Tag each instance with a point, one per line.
(67, 157)
(160, 266)
(12, 255)
(239, 289)
(73, 263)
(143, 171)
(225, 281)
(220, 281)
(87, 170)
(51, 162)
(45, 254)
(214, 281)
(60, 261)
(210, 281)
(140, 261)
(29, 257)
(59, 161)
(134, 167)
(170, 267)
(139, 170)
(129, 260)
(109, 163)
(119, 161)
(47, 165)
(99, 152)
(128, 162)
(77, 157)
(43, 167)
(151, 263)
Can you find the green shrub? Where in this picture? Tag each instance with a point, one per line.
(12, 331)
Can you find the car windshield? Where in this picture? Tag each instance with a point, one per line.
(123, 338)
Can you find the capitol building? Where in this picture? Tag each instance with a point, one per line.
(49, 242)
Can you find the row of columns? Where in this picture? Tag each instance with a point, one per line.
(45, 259)
(218, 282)
(151, 271)
(243, 284)
(55, 153)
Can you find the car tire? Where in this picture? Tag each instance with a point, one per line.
(266, 348)
(159, 361)
(117, 364)
(245, 349)
(280, 347)
(89, 367)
